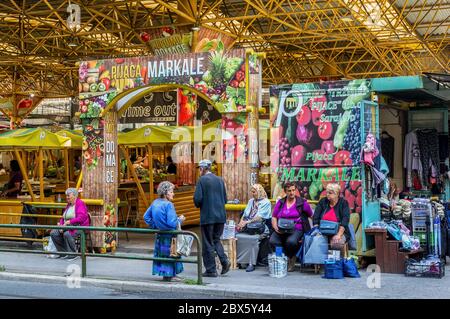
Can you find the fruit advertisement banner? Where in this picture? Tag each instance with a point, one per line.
(317, 124)
(219, 75)
(155, 107)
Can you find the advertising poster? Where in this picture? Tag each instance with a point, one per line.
(316, 137)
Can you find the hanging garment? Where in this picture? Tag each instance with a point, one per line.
(411, 157)
(387, 150)
(443, 147)
(429, 152)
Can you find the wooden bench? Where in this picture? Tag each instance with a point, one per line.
(387, 253)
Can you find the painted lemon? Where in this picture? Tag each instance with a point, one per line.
(85, 145)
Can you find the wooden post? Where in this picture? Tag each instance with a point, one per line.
(66, 160)
(25, 162)
(150, 170)
(136, 179)
(80, 179)
(71, 169)
(25, 176)
(127, 155)
(41, 174)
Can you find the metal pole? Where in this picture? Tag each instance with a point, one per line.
(83, 254)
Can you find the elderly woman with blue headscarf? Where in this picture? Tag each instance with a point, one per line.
(161, 215)
(75, 214)
(258, 210)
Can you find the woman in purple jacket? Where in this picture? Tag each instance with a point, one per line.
(297, 209)
(75, 214)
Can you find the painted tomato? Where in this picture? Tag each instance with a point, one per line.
(325, 130)
(342, 158)
(316, 117)
(304, 116)
(145, 36)
(298, 155)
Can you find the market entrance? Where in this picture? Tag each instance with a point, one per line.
(229, 81)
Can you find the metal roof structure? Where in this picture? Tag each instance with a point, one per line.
(304, 40)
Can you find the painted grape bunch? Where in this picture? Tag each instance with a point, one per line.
(352, 139)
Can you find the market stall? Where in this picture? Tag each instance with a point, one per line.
(28, 147)
(157, 143)
(343, 132)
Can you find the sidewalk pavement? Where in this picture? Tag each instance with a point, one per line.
(135, 275)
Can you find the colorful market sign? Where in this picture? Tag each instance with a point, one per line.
(157, 107)
(317, 124)
(218, 75)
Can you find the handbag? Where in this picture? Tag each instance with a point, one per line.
(255, 228)
(286, 225)
(181, 244)
(328, 227)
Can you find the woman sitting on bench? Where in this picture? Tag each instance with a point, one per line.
(75, 214)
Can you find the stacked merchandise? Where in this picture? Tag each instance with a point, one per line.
(428, 218)
(428, 267)
(422, 222)
(385, 209)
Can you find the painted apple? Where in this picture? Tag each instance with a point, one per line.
(304, 116)
(316, 117)
(145, 36)
(325, 130)
(342, 158)
(298, 154)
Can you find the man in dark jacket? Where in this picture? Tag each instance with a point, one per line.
(210, 196)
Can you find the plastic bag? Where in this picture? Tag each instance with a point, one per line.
(49, 246)
(315, 249)
(277, 266)
(350, 268)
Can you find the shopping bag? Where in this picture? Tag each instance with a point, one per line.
(49, 246)
(315, 249)
(350, 268)
(181, 245)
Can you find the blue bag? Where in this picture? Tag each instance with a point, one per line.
(350, 268)
(328, 227)
(315, 249)
(333, 269)
(352, 245)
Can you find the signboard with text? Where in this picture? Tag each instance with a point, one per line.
(155, 107)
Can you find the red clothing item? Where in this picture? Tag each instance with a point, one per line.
(330, 216)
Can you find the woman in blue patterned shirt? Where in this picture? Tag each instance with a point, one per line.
(161, 215)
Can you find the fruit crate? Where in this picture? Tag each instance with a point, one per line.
(414, 268)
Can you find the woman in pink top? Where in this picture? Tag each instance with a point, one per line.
(334, 208)
(75, 214)
(295, 208)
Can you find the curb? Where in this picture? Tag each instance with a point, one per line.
(136, 286)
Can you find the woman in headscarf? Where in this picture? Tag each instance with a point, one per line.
(161, 215)
(258, 210)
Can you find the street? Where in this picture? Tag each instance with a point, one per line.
(33, 290)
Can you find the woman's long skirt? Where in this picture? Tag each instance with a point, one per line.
(247, 247)
(162, 249)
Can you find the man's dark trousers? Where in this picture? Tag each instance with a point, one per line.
(211, 243)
